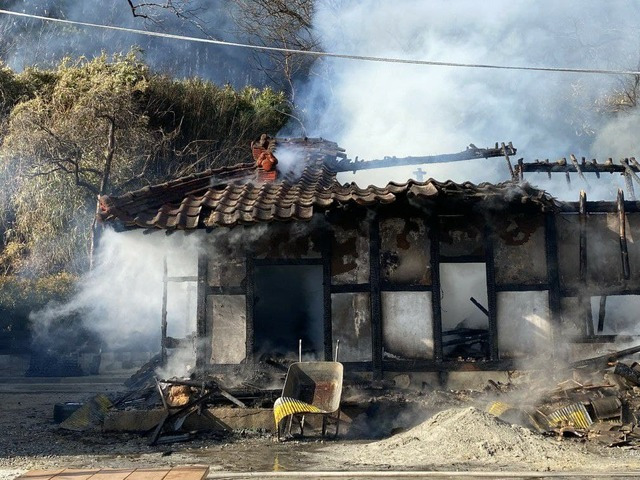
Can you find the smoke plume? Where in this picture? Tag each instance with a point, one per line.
(378, 109)
(120, 300)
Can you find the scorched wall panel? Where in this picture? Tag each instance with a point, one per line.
(524, 326)
(407, 325)
(519, 250)
(350, 251)
(351, 324)
(228, 319)
(404, 251)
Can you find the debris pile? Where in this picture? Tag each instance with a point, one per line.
(601, 402)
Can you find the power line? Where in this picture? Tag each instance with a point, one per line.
(316, 53)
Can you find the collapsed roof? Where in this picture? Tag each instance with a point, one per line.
(251, 193)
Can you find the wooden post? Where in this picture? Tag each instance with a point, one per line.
(326, 293)
(436, 304)
(585, 302)
(506, 157)
(624, 253)
(165, 292)
(521, 170)
(492, 297)
(553, 277)
(601, 312)
(203, 344)
(250, 305)
(375, 297)
(574, 160)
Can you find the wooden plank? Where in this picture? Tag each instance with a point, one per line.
(112, 474)
(41, 474)
(75, 474)
(149, 474)
(187, 473)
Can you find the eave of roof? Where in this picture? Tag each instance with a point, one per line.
(206, 200)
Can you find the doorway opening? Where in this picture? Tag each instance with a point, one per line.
(288, 307)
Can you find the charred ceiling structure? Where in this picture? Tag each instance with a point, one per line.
(417, 277)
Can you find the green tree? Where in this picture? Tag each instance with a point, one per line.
(105, 125)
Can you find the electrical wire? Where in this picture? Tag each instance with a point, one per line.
(317, 53)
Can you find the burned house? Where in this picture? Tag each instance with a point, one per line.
(415, 277)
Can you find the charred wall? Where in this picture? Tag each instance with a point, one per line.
(384, 275)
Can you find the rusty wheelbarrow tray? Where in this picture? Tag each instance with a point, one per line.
(310, 388)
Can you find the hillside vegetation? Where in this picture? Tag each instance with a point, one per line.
(105, 125)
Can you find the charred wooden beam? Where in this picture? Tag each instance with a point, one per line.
(375, 297)
(436, 303)
(250, 303)
(582, 210)
(163, 327)
(492, 296)
(629, 185)
(576, 165)
(562, 166)
(630, 175)
(622, 224)
(602, 312)
(202, 346)
(505, 152)
(479, 305)
(326, 297)
(472, 152)
(553, 274)
(602, 361)
(584, 300)
(600, 207)
(521, 170)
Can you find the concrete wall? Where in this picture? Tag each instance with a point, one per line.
(407, 324)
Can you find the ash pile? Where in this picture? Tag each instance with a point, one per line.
(599, 401)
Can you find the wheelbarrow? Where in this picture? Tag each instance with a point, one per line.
(310, 388)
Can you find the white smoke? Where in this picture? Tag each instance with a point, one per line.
(121, 298)
(378, 109)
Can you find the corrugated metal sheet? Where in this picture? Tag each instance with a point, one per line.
(574, 415)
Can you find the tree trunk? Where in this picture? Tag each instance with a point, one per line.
(96, 226)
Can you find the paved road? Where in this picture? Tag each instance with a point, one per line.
(399, 475)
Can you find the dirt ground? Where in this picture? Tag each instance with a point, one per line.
(30, 440)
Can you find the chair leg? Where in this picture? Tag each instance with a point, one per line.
(302, 426)
(324, 425)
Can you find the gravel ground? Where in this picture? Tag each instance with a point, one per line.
(470, 440)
